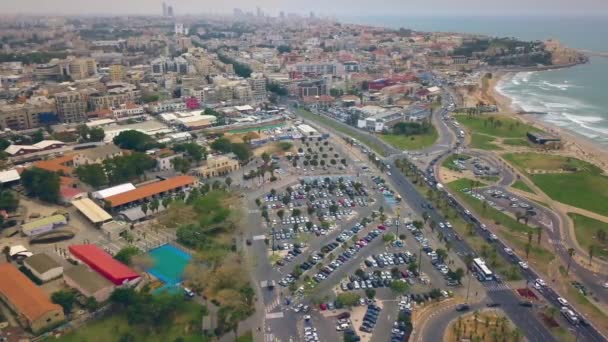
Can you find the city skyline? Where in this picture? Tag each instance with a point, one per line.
(336, 7)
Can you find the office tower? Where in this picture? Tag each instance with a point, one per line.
(164, 9)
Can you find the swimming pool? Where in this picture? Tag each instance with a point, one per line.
(169, 264)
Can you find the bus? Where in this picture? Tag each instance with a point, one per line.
(484, 273)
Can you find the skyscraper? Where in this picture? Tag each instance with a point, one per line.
(170, 11)
(164, 9)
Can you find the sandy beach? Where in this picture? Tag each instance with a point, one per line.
(574, 144)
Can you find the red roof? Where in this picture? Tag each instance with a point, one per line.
(102, 262)
(149, 190)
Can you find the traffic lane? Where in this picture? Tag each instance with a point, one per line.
(434, 329)
(529, 328)
(384, 324)
(523, 318)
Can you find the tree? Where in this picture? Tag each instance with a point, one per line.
(126, 253)
(144, 208)
(591, 252)
(97, 134)
(154, 205)
(228, 181)
(281, 213)
(571, 253)
(41, 184)
(441, 254)
(166, 201)
(8, 201)
(134, 140)
(91, 304)
(370, 293)
(399, 287)
(92, 174)
(180, 164)
(38, 136)
(65, 298)
(390, 237)
(348, 299)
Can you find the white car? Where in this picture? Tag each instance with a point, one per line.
(523, 265)
(605, 285)
(562, 301)
(541, 282)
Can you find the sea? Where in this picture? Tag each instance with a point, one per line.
(573, 98)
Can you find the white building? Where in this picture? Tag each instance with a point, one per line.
(43, 267)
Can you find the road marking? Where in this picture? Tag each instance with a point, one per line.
(259, 237)
(274, 315)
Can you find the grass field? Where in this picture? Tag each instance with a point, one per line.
(185, 325)
(483, 142)
(449, 161)
(516, 142)
(412, 142)
(522, 186)
(496, 125)
(363, 138)
(586, 230)
(584, 186)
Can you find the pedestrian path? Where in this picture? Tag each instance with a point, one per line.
(274, 315)
(495, 287)
(270, 338)
(273, 305)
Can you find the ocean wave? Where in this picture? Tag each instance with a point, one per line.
(560, 86)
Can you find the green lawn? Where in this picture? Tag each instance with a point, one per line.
(483, 142)
(496, 125)
(516, 142)
(585, 188)
(486, 211)
(363, 138)
(449, 161)
(522, 186)
(115, 328)
(586, 230)
(412, 142)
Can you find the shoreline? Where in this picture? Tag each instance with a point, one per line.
(581, 146)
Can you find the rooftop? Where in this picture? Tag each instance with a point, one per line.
(91, 210)
(41, 262)
(150, 190)
(28, 299)
(89, 280)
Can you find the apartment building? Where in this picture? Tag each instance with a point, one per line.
(117, 94)
(72, 106)
(258, 87)
(117, 72)
(79, 68)
(36, 112)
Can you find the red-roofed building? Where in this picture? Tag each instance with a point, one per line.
(104, 264)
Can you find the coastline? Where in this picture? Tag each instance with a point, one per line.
(573, 143)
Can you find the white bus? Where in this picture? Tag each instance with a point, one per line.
(482, 270)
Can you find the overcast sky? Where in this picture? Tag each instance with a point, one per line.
(325, 7)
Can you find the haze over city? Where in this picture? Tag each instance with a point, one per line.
(337, 7)
(303, 171)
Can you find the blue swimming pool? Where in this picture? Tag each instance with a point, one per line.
(169, 264)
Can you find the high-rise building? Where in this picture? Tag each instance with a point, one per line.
(80, 68)
(71, 106)
(259, 12)
(258, 87)
(117, 72)
(179, 28)
(164, 9)
(170, 11)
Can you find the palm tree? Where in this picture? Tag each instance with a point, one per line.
(528, 247)
(144, 208)
(228, 181)
(425, 216)
(470, 228)
(591, 251)
(571, 253)
(539, 233)
(529, 236)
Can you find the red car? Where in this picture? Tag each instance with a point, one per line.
(323, 306)
(381, 227)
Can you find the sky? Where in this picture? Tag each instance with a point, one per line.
(337, 8)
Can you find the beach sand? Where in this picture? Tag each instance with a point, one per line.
(573, 144)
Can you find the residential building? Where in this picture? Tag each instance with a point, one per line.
(117, 94)
(72, 106)
(34, 113)
(80, 68)
(96, 155)
(164, 158)
(216, 166)
(31, 304)
(258, 87)
(117, 72)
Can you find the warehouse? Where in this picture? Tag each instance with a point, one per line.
(148, 191)
(33, 306)
(92, 211)
(104, 264)
(88, 282)
(43, 267)
(43, 225)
